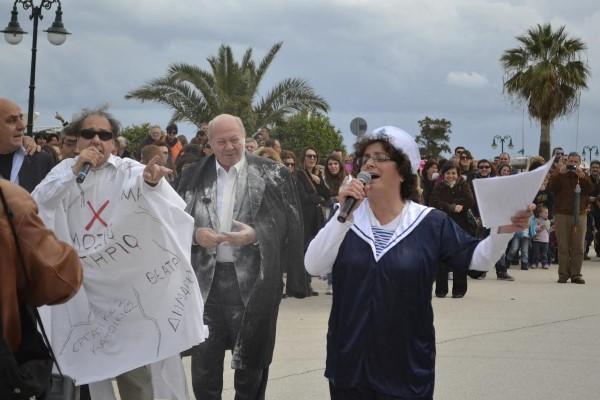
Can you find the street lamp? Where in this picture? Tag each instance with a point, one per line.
(502, 139)
(590, 149)
(13, 34)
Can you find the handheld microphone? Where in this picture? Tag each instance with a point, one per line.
(365, 179)
(83, 172)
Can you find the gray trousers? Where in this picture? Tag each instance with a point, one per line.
(136, 384)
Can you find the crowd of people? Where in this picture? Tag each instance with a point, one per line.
(448, 185)
(261, 213)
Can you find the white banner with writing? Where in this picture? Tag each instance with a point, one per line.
(140, 301)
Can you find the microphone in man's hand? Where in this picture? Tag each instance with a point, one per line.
(365, 179)
(83, 172)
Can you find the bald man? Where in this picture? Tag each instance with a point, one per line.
(15, 164)
(247, 227)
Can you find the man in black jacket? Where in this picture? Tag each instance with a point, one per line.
(15, 165)
(248, 225)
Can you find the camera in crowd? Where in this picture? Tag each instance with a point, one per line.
(571, 168)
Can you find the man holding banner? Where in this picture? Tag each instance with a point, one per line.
(140, 302)
(248, 226)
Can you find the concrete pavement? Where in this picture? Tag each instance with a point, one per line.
(529, 339)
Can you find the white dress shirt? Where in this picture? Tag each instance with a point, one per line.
(227, 184)
(18, 158)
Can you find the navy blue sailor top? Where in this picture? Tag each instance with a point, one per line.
(381, 334)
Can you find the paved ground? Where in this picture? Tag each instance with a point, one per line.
(529, 339)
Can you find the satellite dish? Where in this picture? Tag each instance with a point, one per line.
(358, 126)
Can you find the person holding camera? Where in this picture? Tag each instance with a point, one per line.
(572, 189)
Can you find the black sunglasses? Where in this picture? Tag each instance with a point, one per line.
(311, 156)
(89, 134)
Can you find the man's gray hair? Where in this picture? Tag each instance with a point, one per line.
(154, 126)
(215, 120)
(78, 119)
(575, 154)
(123, 142)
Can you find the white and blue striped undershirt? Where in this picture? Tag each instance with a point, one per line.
(382, 234)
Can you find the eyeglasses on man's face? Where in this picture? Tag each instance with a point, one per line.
(484, 167)
(290, 164)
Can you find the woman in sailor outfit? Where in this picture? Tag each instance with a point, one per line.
(381, 339)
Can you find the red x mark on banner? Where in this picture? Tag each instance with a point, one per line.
(96, 215)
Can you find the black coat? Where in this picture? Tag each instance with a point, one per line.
(267, 200)
(444, 197)
(312, 197)
(34, 170)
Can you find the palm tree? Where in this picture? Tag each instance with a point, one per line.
(196, 95)
(546, 72)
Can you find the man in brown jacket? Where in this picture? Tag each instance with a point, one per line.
(53, 268)
(570, 226)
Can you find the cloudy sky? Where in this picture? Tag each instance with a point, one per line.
(391, 62)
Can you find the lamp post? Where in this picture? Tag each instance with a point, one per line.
(13, 34)
(589, 149)
(502, 139)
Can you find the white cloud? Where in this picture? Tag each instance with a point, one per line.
(470, 80)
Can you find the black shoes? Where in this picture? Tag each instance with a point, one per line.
(579, 280)
(503, 276)
(454, 296)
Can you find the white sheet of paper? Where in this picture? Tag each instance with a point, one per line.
(499, 198)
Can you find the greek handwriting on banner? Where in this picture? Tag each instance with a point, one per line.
(90, 241)
(163, 271)
(177, 311)
(133, 194)
(96, 338)
(113, 252)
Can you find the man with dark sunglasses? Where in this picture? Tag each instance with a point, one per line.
(128, 245)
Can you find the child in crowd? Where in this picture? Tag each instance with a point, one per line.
(541, 239)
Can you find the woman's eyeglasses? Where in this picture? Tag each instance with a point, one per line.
(89, 134)
(484, 167)
(377, 157)
(311, 156)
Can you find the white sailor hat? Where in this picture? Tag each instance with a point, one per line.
(401, 140)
